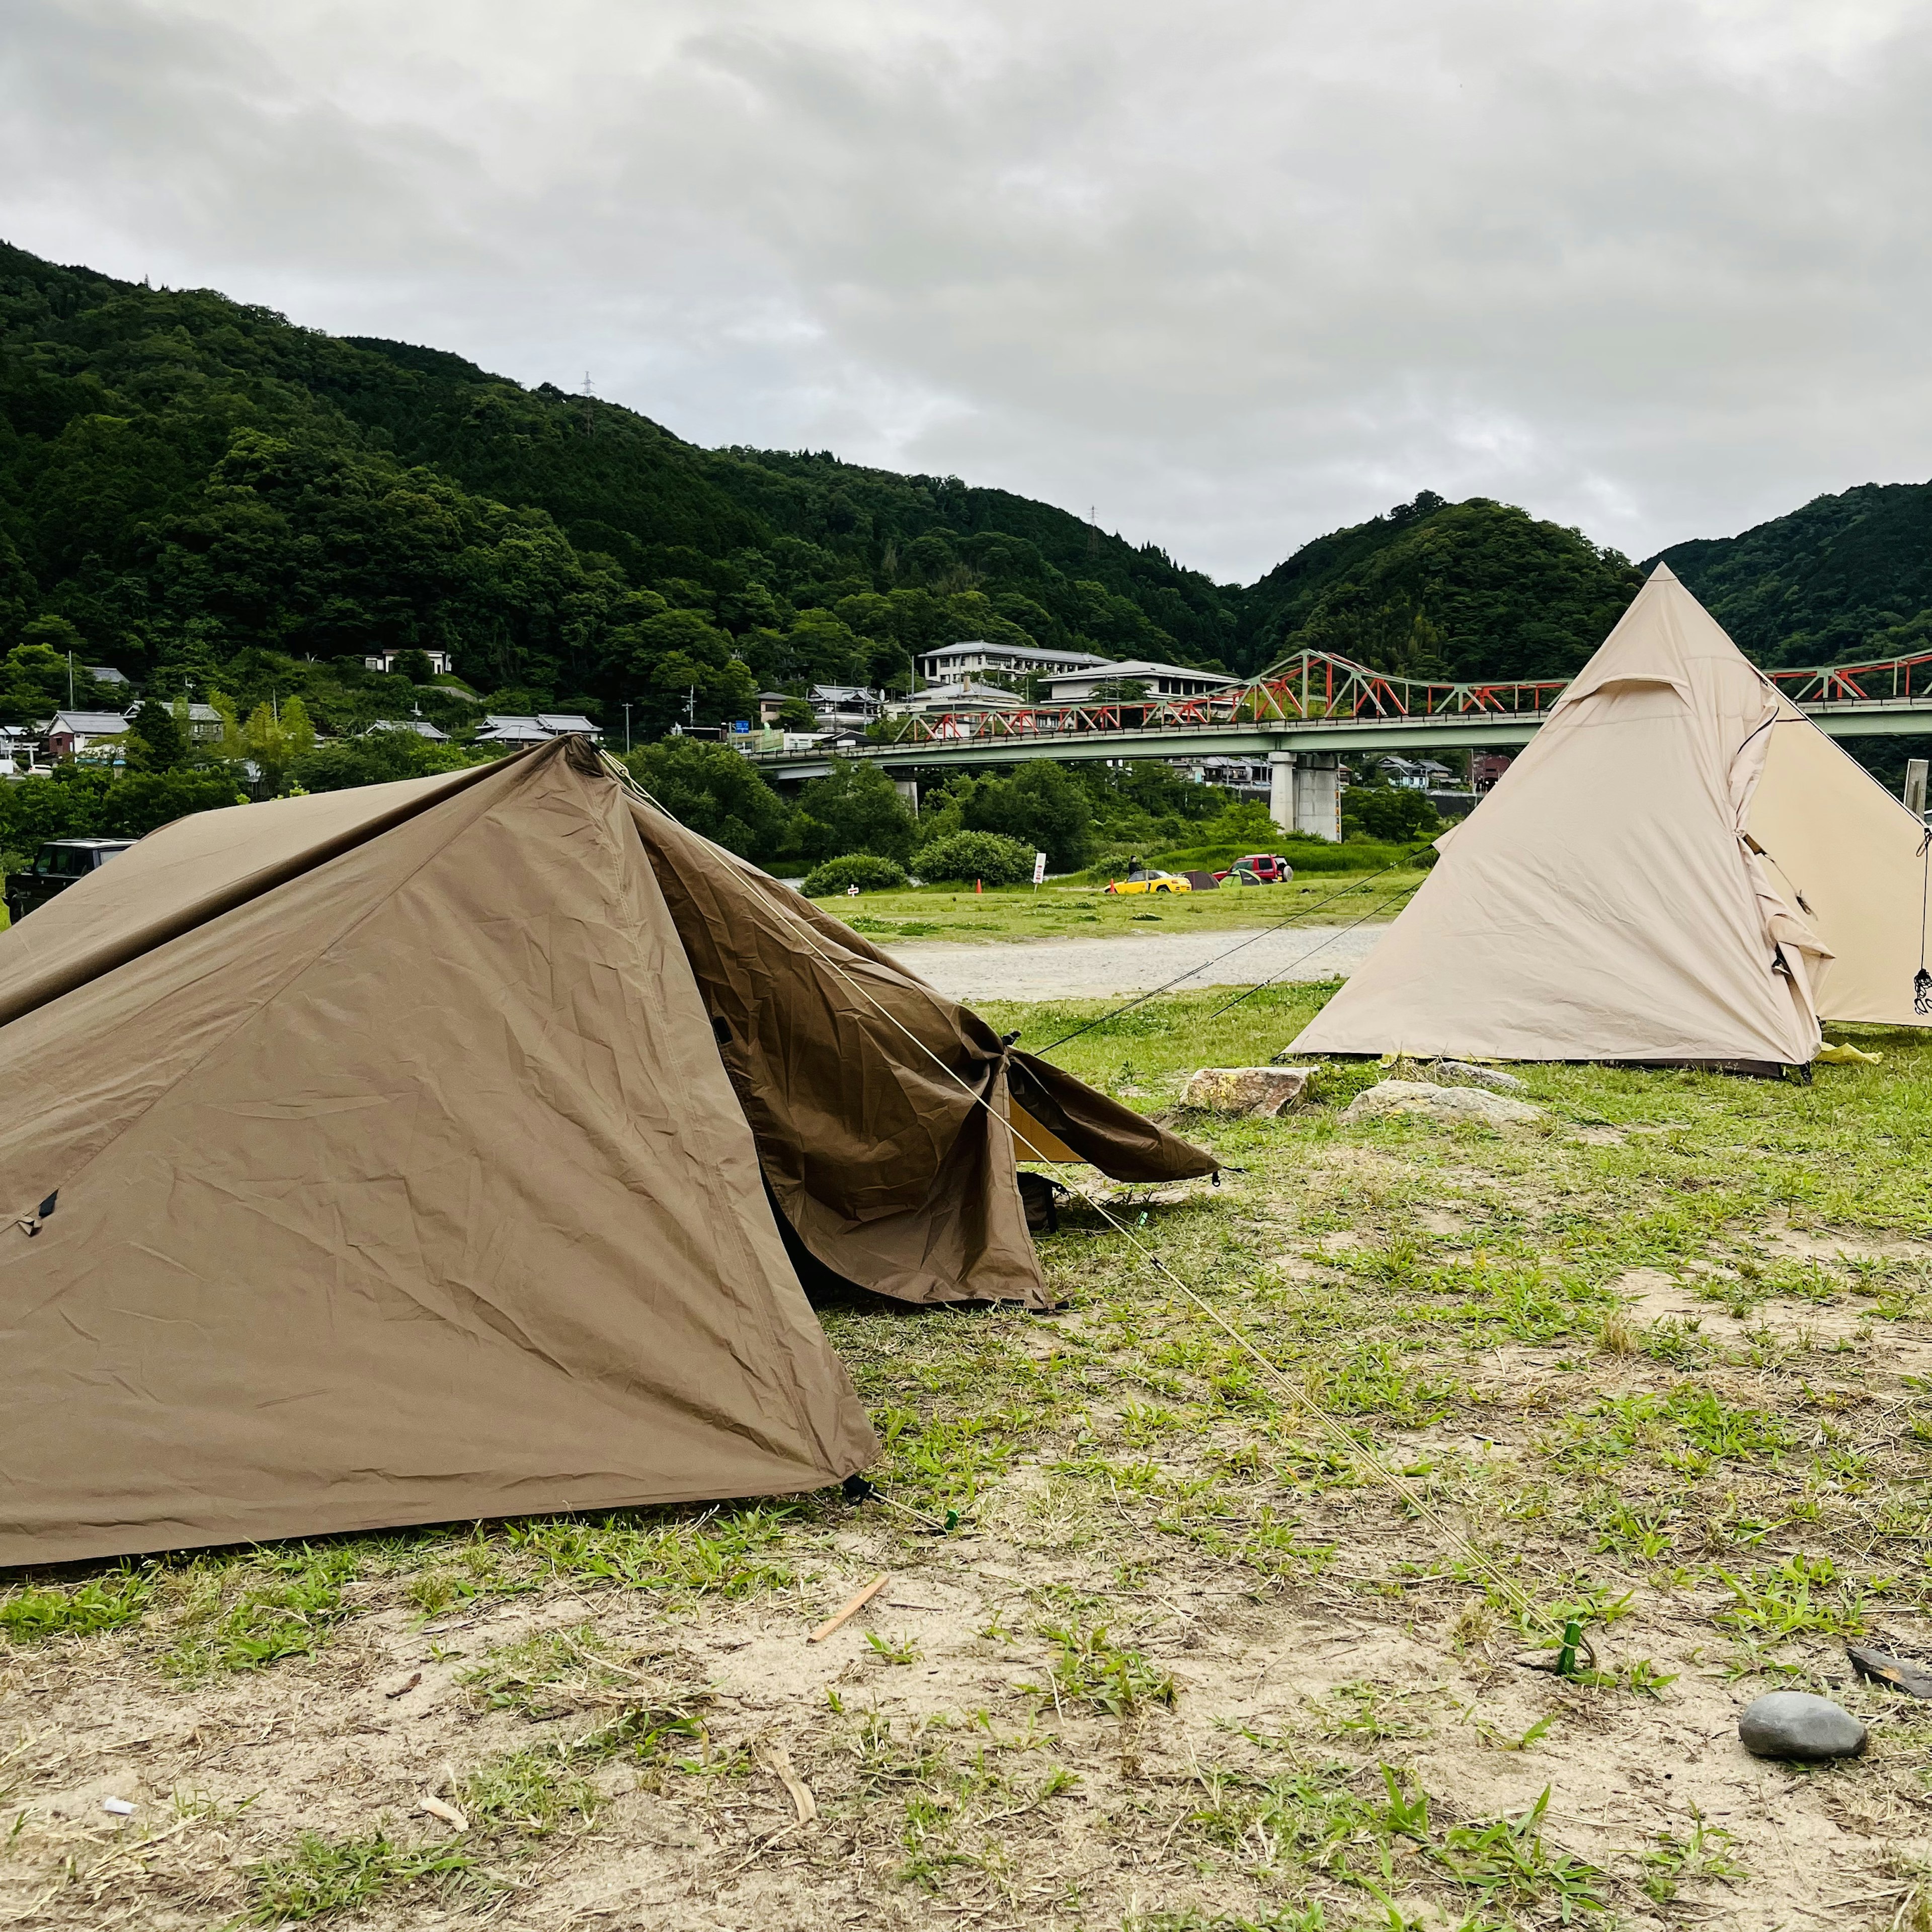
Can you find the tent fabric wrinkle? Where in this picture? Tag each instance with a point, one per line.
(880, 1108)
(1604, 901)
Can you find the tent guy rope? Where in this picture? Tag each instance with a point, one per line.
(1194, 972)
(1566, 1632)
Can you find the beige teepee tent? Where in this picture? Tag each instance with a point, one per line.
(1680, 867)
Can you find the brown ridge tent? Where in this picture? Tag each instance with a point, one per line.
(379, 1157)
(1681, 867)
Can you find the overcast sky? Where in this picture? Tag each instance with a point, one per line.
(1234, 272)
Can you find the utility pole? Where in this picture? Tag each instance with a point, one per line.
(627, 731)
(691, 708)
(70, 680)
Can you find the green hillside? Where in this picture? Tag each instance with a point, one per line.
(206, 496)
(1441, 589)
(1847, 577)
(201, 493)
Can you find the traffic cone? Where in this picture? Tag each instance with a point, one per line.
(977, 887)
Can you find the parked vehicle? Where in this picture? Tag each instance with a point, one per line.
(1147, 879)
(1258, 869)
(56, 866)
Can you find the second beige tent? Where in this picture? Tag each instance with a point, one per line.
(1681, 867)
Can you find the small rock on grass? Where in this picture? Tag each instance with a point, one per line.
(1260, 1092)
(1440, 1103)
(1795, 1724)
(1467, 1073)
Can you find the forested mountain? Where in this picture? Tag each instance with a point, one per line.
(204, 495)
(1847, 577)
(1440, 589)
(198, 492)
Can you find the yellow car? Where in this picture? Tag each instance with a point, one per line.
(1145, 879)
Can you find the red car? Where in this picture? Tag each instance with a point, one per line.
(1258, 869)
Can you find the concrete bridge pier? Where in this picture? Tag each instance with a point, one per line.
(1304, 794)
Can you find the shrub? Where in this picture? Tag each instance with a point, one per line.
(716, 792)
(985, 855)
(1390, 813)
(854, 808)
(857, 868)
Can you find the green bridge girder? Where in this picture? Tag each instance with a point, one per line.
(1841, 718)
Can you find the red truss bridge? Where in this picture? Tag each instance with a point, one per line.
(1317, 689)
(1310, 708)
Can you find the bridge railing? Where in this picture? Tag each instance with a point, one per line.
(1884, 679)
(1316, 687)
(1310, 687)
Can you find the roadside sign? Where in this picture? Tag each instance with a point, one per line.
(1039, 867)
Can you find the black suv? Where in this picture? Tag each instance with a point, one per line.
(58, 864)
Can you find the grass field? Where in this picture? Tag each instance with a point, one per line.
(1067, 912)
(1187, 1661)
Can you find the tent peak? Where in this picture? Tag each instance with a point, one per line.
(1662, 573)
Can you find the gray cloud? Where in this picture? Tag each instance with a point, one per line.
(1234, 272)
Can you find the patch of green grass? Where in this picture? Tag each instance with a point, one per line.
(1371, 1713)
(1687, 1430)
(1089, 1669)
(725, 1553)
(554, 1674)
(530, 1793)
(1018, 912)
(110, 1602)
(323, 1875)
(1803, 1594)
(290, 1596)
(466, 1573)
(1504, 1865)
(1669, 1862)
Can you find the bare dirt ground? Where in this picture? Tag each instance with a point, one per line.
(1053, 969)
(1187, 1661)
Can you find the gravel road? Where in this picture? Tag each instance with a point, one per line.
(1047, 969)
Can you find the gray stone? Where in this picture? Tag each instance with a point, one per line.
(1467, 1073)
(1795, 1724)
(1259, 1092)
(1439, 1103)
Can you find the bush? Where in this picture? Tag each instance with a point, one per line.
(854, 808)
(985, 855)
(716, 792)
(1040, 806)
(857, 868)
(1390, 813)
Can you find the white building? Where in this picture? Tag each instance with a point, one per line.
(422, 727)
(70, 733)
(1161, 680)
(385, 661)
(847, 707)
(957, 662)
(509, 732)
(966, 695)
